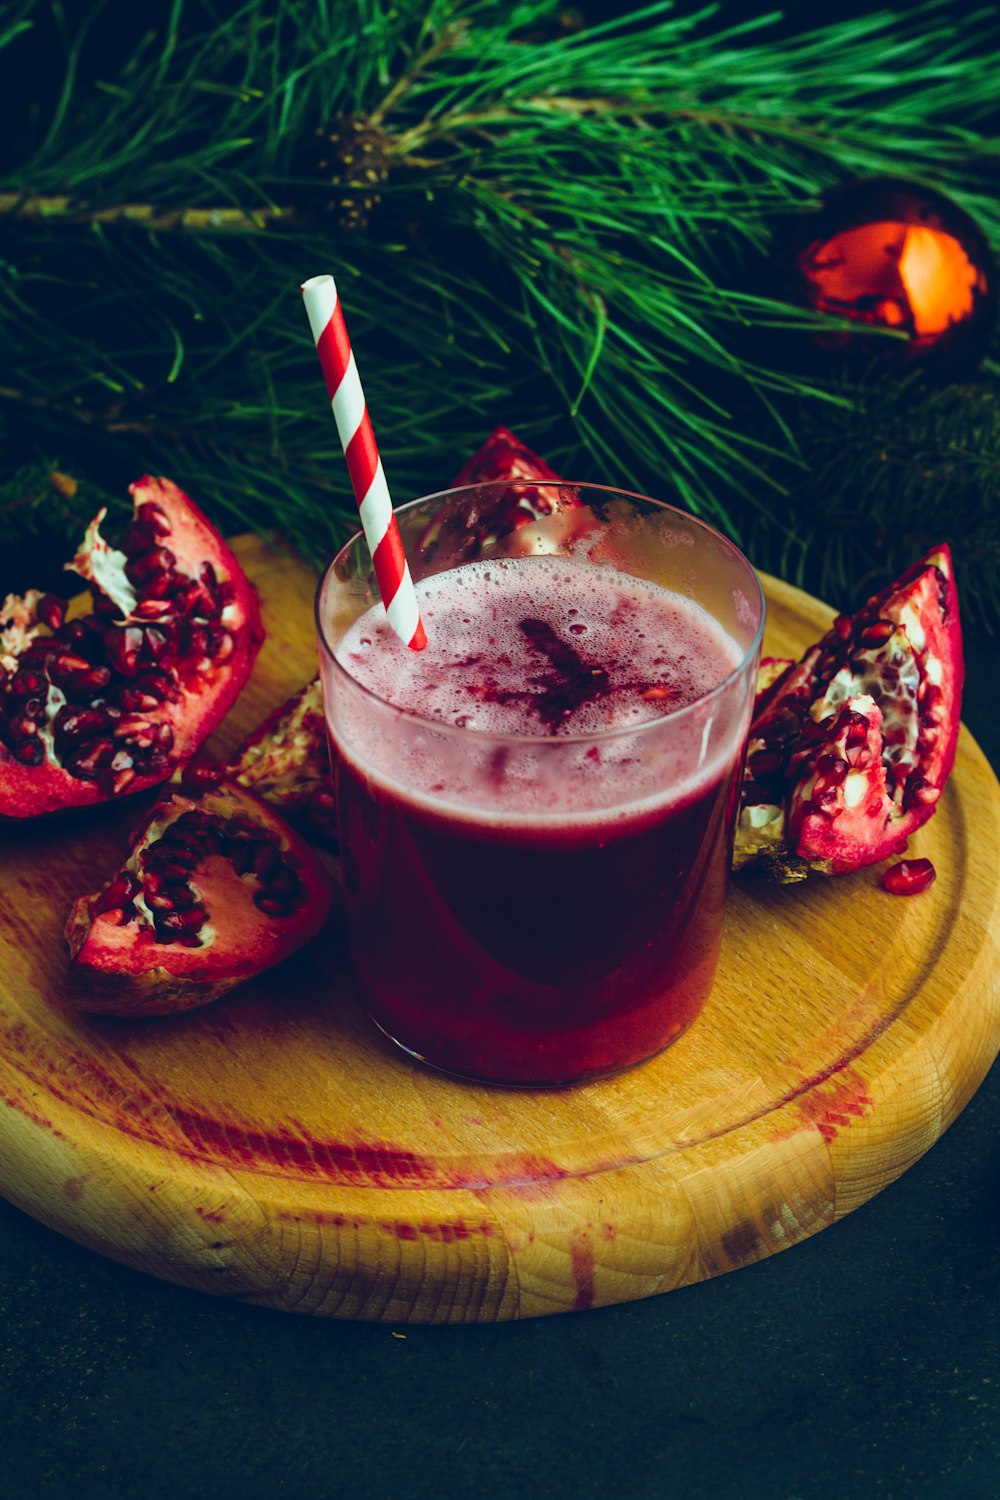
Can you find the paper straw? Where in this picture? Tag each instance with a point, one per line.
(326, 319)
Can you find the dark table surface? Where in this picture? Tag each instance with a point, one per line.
(862, 1363)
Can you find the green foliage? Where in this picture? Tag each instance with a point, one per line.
(570, 240)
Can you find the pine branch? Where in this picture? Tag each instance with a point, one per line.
(569, 240)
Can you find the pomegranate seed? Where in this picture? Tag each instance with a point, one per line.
(183, 896)
(152, 516)
(145, 566)
(24, 684)
(919, 789)
(52, 610)
(272, 906)
(197, 642)
(200, 776)
(766, 762)
(165, 737)
(162, 901)
(135, 702)
(193, 599)
(29, 752)
(21, 726)
(159, 644)
(157, 685)
(842, 625)
(79, 723)
(138, 538)
(834, 772)
(138, 733)
(122, 888)
(184, 921)
(67, 668)
(158, 587)
(226, 646)
(877, 634)
(89, 759)
(909, 877)
(152, 609)
(123, 648)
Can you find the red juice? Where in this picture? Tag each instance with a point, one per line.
(535, 869)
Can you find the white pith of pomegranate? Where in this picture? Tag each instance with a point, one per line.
(216, 889)
(287, 762)
(902, 652)
(109, 703)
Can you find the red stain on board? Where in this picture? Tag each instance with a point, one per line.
(581, 1264)
(78, 1078)
(446, 1233)
(211, 1215)
(73, 1187)
(833, 1108)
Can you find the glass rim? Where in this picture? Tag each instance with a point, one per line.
(495, 736)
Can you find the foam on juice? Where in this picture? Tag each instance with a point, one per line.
(537, 648)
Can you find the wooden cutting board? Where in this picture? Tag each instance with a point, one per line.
(273, 1148)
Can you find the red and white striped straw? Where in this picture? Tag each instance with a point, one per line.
(326, 319)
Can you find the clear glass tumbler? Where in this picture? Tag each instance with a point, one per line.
(540, 904)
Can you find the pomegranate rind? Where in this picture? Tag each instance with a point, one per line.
(903, 648)
(287, 762)
(207, 689)
(121, 969)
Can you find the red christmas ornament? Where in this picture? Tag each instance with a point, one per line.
(889, 254)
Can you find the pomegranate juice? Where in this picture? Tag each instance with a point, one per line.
(535, 867)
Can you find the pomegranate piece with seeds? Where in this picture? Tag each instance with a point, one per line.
(216, 888)
(897, 665)
(110, 702)
(527, 500)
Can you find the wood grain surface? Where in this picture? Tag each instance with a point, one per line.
(275, 1149)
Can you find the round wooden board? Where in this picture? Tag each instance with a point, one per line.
(273, 1148)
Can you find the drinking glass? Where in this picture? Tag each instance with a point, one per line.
(540, 908)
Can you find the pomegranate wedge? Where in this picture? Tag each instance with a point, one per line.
(215, 889)
(110, 702)
(851, 749)
(287, 762)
